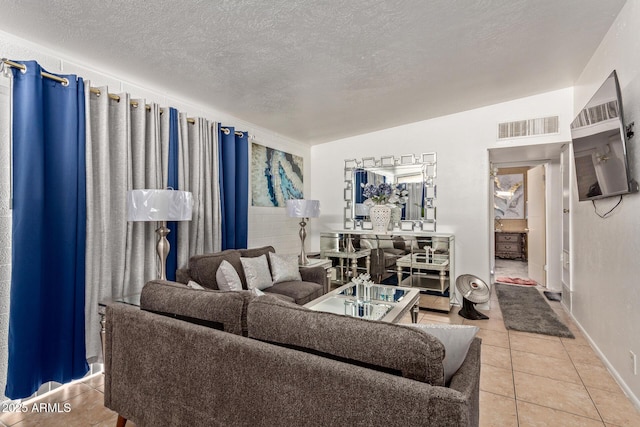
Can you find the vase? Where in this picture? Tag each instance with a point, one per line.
(380, 217)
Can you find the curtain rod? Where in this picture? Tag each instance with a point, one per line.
(23, 68)
(227, 131)
(116, 98)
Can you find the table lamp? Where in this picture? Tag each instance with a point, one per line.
(162, 206)
(305, 209)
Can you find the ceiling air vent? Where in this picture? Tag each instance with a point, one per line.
(531, 127)
(596, 114)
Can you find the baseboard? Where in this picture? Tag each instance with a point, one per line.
(627, 391)
(566, 298)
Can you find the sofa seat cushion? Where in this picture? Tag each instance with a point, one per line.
(395, 251)
(301, 292)
(396, 349)
(217, 309)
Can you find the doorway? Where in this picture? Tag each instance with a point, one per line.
(514, 259)
(511, 231)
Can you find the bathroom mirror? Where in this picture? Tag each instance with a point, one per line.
(415, 174)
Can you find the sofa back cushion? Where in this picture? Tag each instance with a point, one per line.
(392, 348)
(221, 310)
(203, 268)
(256, 252)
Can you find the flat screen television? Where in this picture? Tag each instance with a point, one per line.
(600, 145)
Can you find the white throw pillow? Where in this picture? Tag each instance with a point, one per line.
(227, 277)
(456, 340)
(256, 270)
(194, 285)
(284, 268)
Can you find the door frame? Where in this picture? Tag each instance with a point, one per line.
(504, 165)
(543, 234)
(566, 163)
(530, 155)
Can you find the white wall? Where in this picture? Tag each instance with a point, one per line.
(267, 226)
(461, 142)
(606, 292)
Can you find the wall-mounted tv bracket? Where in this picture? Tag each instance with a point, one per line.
(629, 129)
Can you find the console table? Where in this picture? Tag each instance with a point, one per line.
(422, 266)
(354, 256)
(416, 259)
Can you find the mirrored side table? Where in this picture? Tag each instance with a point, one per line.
(133, 299)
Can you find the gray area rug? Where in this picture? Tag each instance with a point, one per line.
(525, 309)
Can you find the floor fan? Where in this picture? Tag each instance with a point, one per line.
(474, 291)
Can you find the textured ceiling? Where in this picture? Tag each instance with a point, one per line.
(320, 70)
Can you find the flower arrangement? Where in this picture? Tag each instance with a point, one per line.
(384, 193)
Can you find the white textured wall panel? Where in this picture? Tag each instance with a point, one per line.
(605, 252)
(461, 142)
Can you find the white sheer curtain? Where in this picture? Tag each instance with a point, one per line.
(128, 148)
(124, 151)
(198, 173)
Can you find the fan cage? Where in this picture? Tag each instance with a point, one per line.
(473, 288)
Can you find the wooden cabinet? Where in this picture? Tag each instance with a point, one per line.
(511, 245)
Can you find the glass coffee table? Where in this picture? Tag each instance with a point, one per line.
(385, 303)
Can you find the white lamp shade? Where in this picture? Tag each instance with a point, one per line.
(159, 205)
(301, 208)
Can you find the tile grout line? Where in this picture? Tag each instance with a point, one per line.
(517, 400)
(574, 367)
(513, 378)
(582, 381)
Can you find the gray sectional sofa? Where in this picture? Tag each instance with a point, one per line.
(202, 270)
(181, 360)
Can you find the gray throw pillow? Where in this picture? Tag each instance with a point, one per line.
(456, 340)
(227, 277)
(284, 268)
(256, 270)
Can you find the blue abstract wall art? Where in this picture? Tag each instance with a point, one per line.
(276, 176)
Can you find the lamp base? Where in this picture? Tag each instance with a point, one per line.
(302, 258)
(162, 248)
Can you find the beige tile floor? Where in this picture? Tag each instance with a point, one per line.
(85, 407)
(526, 380)
(538, 380)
